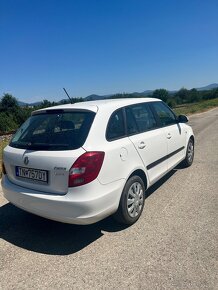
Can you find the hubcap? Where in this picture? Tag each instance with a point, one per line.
(190, 151)
(135, 199)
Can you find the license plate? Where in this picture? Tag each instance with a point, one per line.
(30, 173)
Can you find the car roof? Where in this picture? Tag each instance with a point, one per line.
(108, 104)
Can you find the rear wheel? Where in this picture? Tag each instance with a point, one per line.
(189, 154)
(131, 202)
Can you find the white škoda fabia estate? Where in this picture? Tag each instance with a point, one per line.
(79, 163)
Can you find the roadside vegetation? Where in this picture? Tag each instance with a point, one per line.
(183, 102)
(202, 106)
(3, 142)
(187, 101)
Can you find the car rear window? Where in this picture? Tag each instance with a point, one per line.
(54, 131)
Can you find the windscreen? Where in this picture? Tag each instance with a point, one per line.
(54, 131)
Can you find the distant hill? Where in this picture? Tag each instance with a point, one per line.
(148, 92)
(209, 87)
(97, 97)
(145, 93)
(23, 104)
(94, 97)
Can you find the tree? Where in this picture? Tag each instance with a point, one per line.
(45, 104)
(7, 123)
(193, 96)
(182, 94)
(8, 102)
(171, 102)
(161, 94)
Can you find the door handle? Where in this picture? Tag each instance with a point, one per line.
(142, 145)
(169, 136)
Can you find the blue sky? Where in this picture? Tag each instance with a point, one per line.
(105, 46)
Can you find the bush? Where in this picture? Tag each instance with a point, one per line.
(7, 123)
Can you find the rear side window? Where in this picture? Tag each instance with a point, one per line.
(54, 131)
(165, 115)
(139, 118)
(116, 128)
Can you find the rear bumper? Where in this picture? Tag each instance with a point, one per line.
(81, 205)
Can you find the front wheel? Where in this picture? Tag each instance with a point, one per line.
(131, 202)
(189, 154)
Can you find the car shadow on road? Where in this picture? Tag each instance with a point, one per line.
(40, 235)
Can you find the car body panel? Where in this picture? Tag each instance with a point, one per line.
(100, 198)
(81, 205)
(155, 148)
(119, 158)
(58, 167)
(176, 140)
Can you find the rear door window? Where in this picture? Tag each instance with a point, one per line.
(54, 131)
(139, 118)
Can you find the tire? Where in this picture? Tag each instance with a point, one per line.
(189, 154)
(131, 201)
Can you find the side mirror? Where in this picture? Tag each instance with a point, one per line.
(182, 119)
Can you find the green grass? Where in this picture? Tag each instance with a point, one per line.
(188, 109)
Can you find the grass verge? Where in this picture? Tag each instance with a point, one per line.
(188, 109)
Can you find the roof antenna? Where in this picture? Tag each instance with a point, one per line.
(71, 101)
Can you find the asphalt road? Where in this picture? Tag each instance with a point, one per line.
(174, 245)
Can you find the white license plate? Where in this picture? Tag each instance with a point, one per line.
(30, 173)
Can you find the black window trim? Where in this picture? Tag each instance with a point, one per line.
(156, 117)
(128, 134)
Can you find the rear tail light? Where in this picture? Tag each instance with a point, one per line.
(86, 168)
(3, 168)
